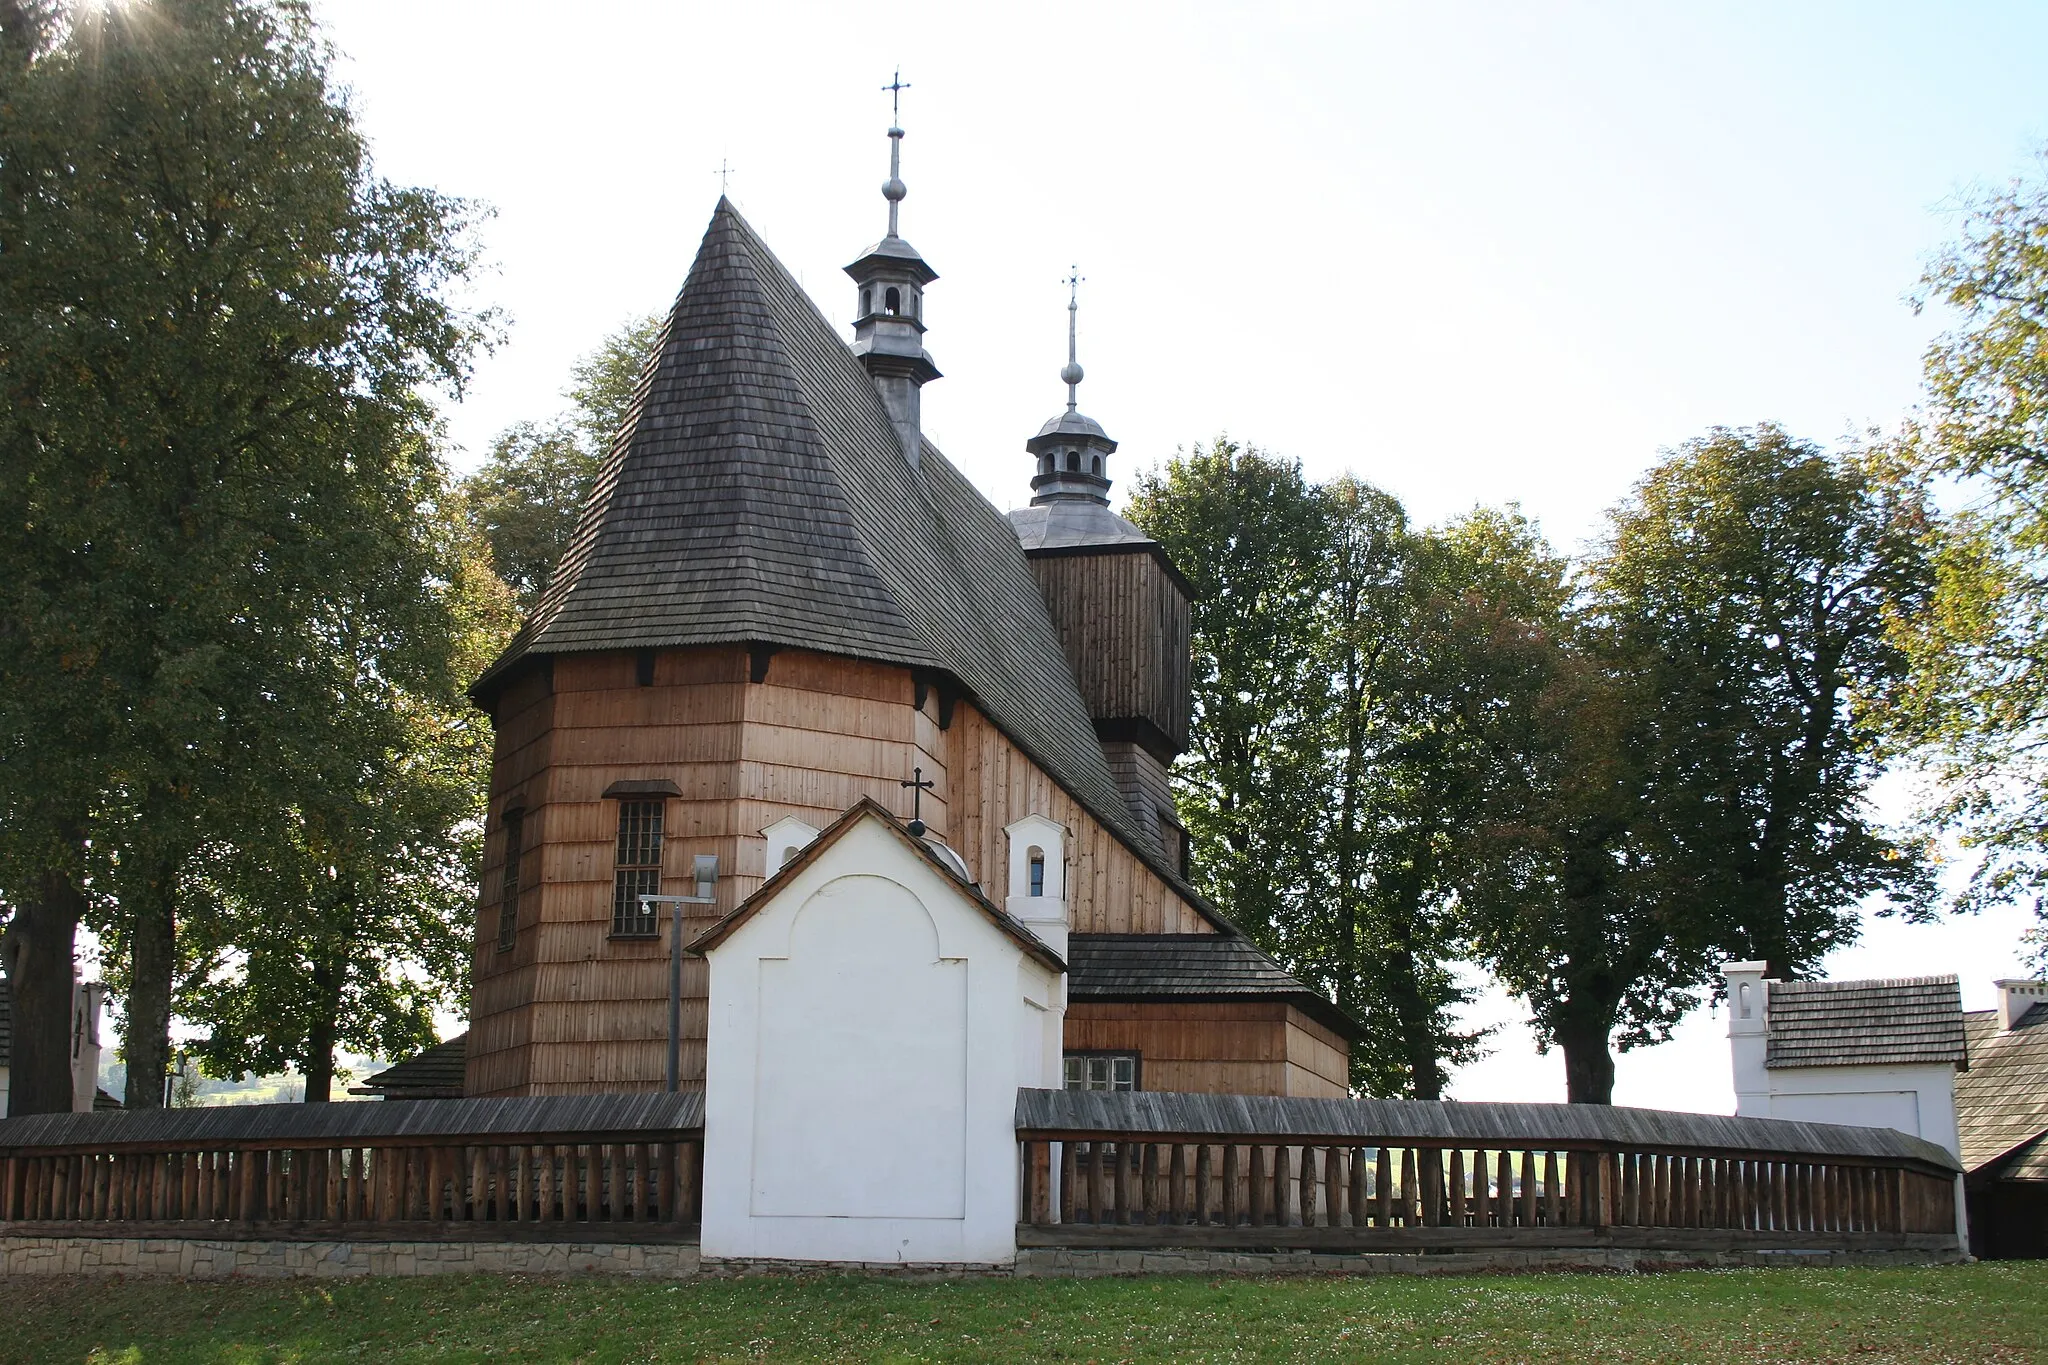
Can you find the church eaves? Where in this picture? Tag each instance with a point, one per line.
(758, 493)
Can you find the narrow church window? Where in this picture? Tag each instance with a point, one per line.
(508, 899)
(638, 867)
(1045, 464)
(892, 300)
(1095, 466)
(1073, 462)
(1101, 1070)
(867, 302)
(1037, 856)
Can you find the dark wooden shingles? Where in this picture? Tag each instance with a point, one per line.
(1850, 1023)
(439, 1067)
(2002, 1100)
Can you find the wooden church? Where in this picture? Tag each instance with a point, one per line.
(784, 606)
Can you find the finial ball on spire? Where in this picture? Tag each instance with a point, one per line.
(1071, 373)
(893, 190)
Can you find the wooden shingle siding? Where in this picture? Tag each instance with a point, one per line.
(1252, 1047)
(573, 1009)
(1125, 626)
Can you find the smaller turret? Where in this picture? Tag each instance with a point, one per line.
(1072, 450)
(888, 327)
(1120, 605)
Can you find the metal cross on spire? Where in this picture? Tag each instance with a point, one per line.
(895, 88)
(893, 189)
(725, 173)
(1072, 373)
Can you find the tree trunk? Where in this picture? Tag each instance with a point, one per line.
(152, 962)
(41, 959)
(1588, 1064)
(320, 1033)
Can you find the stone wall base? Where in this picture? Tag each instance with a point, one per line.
(1055, 1261)
(194, 1258)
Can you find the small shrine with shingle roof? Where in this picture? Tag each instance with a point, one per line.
(785, 613)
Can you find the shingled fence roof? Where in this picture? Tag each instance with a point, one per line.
(1909, 1021)
(1156, 1115)
(758, 493)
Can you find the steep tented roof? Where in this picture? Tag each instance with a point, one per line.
(1910, 1021)
(758, 493)
(1126, 967)
(2002, 1102)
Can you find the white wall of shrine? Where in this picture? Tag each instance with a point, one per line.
(869, 1029)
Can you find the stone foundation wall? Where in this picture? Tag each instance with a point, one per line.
(194, 1258)
(205, 1259)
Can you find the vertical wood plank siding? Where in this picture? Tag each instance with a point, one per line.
(569, 1008)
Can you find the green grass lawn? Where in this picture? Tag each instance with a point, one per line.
(1961, 1313)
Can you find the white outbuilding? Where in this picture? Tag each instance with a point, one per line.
(1873, 1054)
(872, 1017)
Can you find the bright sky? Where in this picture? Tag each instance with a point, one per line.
(1469, 252)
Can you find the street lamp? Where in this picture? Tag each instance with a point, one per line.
(706, 872)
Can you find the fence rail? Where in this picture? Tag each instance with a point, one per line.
(526, 1168)
(1167, 1170)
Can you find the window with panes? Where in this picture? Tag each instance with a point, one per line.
(1102, 1070)
(637, 868)
(508, 897)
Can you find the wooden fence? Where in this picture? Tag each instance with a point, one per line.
(1153, 1170)
(524, 1169)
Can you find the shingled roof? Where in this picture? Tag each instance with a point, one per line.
(6, 1023)
(1904, 1022)
(433, 1074)
(2002, 1103)
(1128, 967)
(758, 493)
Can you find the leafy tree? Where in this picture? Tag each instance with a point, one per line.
(526, 497)
(1748, 583)
(1686, 769)
(374, 871)
(215, 325)
(1310, 789)
(1978, 703)
(1250, 536)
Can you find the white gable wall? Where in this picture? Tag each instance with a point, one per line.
(869, 1029)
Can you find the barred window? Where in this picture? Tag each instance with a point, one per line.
(508, 898)
(638, 867)
(1102, 1071)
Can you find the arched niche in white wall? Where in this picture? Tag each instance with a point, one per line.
(786, 838)
(865, 1005)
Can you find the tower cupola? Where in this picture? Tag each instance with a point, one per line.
(1072, 450)
(888, 324)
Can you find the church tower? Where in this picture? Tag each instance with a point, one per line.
(1120, 605)
(888, 326)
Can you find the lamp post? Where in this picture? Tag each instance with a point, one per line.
(705, 869)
